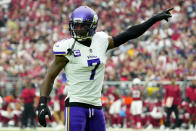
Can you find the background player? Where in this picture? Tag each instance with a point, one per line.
(191, 99)
(136, 105)
(83, 58)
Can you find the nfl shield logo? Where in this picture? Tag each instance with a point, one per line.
(90, 50)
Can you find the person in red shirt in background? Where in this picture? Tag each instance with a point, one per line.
(191, 99)
(136, 105)
(172, 100)
(28, 98)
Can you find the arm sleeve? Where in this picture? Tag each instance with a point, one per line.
(133, 32)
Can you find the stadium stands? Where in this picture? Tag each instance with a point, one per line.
(28, 30)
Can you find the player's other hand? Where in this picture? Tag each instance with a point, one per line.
(163, 15)
(43, 110)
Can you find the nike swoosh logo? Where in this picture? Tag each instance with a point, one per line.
(41, 111)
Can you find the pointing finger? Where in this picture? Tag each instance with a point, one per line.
(168, 10)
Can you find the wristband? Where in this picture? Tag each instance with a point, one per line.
(43, 99)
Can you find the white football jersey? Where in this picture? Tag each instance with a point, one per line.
(85, 69)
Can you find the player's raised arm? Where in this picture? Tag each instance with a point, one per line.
(58, 64)
(137, 30)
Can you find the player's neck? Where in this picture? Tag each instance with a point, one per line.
(86, 42)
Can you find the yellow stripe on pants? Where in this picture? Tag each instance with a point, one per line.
(68, 119)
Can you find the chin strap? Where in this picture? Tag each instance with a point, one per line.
(70, 50)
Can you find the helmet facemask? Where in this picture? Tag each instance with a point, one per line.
(81, 30)
(83, 23)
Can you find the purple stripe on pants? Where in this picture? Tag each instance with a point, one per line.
(84, 119)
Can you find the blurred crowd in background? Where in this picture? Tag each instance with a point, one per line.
(29, 29)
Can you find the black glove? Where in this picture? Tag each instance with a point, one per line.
(43, 110)
(163, 15)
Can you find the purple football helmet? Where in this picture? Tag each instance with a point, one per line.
(83, 23)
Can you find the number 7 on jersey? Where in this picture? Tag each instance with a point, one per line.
(90, 63)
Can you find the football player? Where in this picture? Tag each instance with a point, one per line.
(83, 58)
(136, 105)
(191, 99)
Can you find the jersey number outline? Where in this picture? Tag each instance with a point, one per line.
(90, 63)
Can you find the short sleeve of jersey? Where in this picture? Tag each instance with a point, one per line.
(60, 47)
(102, 37)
